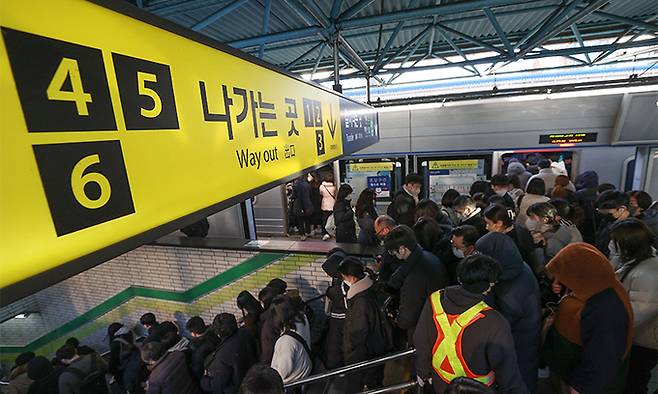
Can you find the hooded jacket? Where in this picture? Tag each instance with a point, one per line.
(487, 344)
(363, 338)
(518, 169)
(650, 218)
(588, 343)
(640, 282)
(517, 298)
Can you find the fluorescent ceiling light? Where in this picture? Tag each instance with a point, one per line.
(530, 97)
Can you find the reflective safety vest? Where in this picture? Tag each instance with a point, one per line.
(447, 358)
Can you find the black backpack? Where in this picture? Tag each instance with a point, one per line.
(93, 382)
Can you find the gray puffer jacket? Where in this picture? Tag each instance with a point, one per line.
(640, 281)
(557, 240)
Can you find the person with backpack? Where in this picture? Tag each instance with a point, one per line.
(169, 371)
(228, 364)
(292, 351)
(203, 342)
(125, 362)
(83, 374)
(366, 334)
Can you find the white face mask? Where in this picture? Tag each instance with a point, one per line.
(458, 253)
(309, 178)
(532, 224)
(501, 192)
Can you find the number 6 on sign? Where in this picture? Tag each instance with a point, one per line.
(79, 181)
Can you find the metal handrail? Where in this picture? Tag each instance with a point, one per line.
(395, 387)
(351, 368)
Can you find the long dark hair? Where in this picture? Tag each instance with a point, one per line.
(248, 303)
(344, 191)
(428, 233)
(633, 239)
(365, 203)
(286, 314)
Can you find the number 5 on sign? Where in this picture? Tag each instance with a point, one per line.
(68, 68)
(79, 180)
(142, 78)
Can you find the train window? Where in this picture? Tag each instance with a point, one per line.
(530, 158)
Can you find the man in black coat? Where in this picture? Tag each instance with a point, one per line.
(365, 333)
(469, 213)
(405, 200)
(203, 343)
(227, 365)
(420, 274)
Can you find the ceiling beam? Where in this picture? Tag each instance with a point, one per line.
(499, 30)
(305, 54)
(580, 41)
(393, 36)
(355, 9)
(633, 22)
(212, 18)
(335, 9)
(266, 25)
(536, 55)
(469, 38)
(424, 12)
(540, 39)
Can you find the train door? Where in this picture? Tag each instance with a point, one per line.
(529, 158)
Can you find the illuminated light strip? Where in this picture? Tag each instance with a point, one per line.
(530, 97)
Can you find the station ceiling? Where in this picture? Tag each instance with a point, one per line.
(372, 35)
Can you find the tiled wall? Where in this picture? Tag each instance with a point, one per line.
(172, 269)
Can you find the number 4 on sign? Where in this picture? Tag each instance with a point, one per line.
(69, 68)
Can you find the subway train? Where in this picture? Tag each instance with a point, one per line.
(612, 132)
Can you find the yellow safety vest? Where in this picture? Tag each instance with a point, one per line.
(447, 358)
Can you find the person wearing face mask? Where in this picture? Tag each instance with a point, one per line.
(636, 266)
(517, 297)
(501, 186)
(500, 219)
(535, 192)
(460, 244)
(388, 264)
(547, 232)
(644, 208)
(459, 335)
(404, 202)
(364, 337)
(614, 206)
(469, 213)
(420, 274)
(344, 216)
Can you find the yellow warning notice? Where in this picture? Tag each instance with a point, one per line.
(453, 164)
(371, 167)
(113, 127)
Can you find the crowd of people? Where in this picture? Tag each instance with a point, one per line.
(525, 276)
